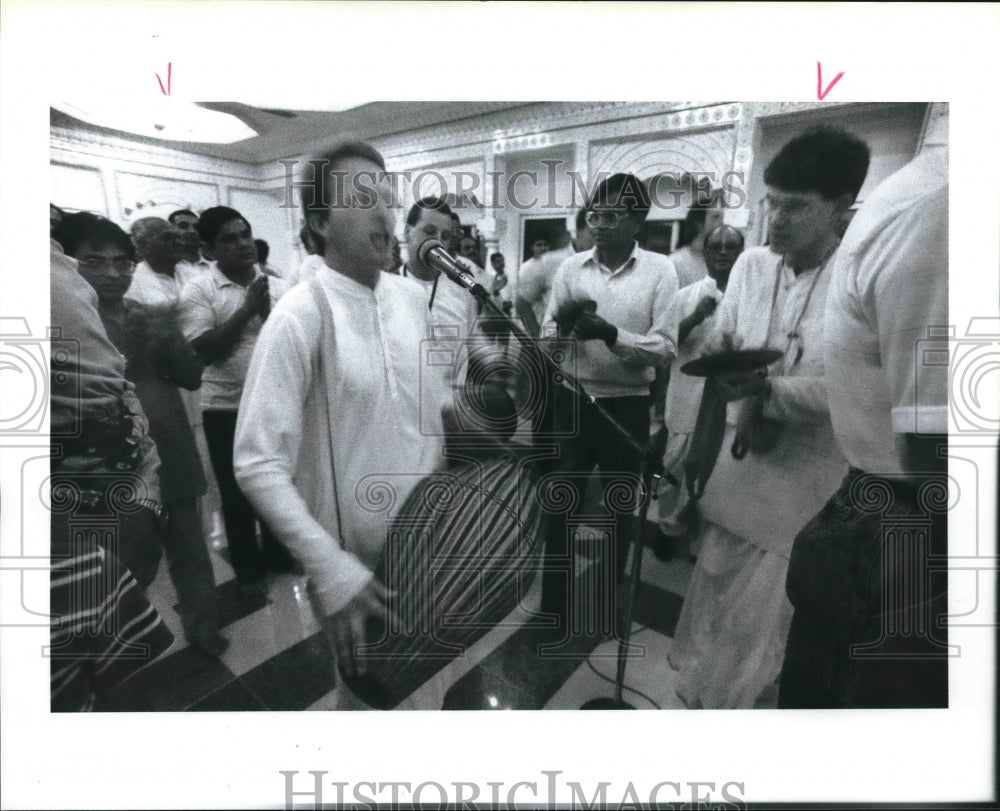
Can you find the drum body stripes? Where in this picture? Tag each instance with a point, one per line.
(459, 557)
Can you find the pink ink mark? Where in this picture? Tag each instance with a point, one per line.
(820, 92)
(170, 66)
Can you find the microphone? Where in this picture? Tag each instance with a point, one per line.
(433, 253)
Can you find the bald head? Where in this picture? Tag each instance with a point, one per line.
(158, 242)
(723, 244)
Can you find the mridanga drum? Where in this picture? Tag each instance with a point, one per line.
(460, 555)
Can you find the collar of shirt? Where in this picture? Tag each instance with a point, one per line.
(222, 280)
(144, 266)
(593, 261)
(406, 273)
(345, 285)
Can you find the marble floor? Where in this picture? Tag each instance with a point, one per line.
(277, 658)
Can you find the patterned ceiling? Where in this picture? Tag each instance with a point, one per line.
(287, 133)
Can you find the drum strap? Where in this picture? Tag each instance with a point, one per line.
(327, 346)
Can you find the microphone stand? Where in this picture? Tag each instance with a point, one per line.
(651, 473)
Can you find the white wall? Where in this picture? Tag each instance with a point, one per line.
(114, 176)
(125, 180)
(892, 132)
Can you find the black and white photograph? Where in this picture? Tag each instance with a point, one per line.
(350, 403)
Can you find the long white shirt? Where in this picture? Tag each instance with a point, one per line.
(452, 314)
(889, 286)
(638, 299)
(690, 266)
(767, 498)
(684, 391)
(308, 268)
(296, 461)
(159, 289)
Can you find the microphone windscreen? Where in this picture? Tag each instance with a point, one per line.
(428, 245)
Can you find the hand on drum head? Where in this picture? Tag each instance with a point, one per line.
(346, 628)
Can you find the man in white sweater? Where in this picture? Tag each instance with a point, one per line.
(616, 302)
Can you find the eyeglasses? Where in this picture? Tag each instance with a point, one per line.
(725, 247)
(608, 218)
(95, 264)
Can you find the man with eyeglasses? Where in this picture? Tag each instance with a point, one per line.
(616, 301)
(779, 460)
(159, 362)
(100, 446)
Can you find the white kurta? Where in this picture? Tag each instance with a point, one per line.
(683, 400)
(383, 442)
(690, 266)
(767, 498)
(730, 637)
(684, 391)
(158, 289)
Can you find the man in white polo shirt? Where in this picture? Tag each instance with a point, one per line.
(616, 301)
(222, 311)
(192, 262)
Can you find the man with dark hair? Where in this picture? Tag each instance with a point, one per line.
(313, 262)
(870, 622)
(222, 312)
(780, 460)
(468, 248)
(458, 237)
(333, 398)
(452, 309)
(616, 301)
(455, 234)
(500, 280)
(192, 263)
(499, 263)
(582, 239)
(56, 216)
(158, 361)
(534, 278)
(100, 447)
(264, 251)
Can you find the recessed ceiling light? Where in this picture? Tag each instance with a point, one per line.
(161, 117)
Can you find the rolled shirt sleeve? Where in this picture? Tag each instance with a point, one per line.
(196, 312)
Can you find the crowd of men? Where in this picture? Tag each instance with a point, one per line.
(310, 382)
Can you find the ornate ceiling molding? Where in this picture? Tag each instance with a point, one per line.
(65, 143)
(549, 124)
